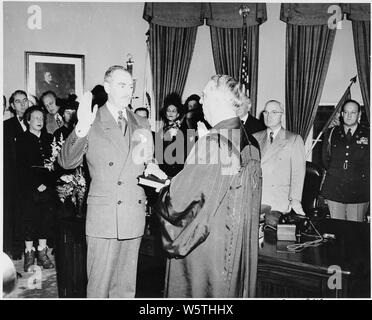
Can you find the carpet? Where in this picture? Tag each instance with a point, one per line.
(39, 284)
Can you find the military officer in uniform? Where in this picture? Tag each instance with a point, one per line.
(345, 156)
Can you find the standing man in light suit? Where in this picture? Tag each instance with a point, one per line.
(283, 162)
(115, 219)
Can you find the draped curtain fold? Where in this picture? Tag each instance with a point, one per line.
(227, 54)
(362, 47)
(308, 52)
(171, 51)
(172, 36)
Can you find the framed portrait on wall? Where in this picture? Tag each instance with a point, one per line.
(58, 72)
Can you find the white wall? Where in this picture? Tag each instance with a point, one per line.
(202, 65)
(271, 60)
(106, 32)
(342, 68)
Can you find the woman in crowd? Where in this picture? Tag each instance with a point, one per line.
(195, 121)
(194, 113)
(38, 188)
(172, 135)
(67, 110)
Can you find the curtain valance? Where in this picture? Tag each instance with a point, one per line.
(357, 11)
(174, 14)
(226, 15)
(306, 14)
(192, 14)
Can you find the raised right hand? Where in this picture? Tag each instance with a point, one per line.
(85, 114)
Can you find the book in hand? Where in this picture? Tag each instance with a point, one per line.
(153, 181)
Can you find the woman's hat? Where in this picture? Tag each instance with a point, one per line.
(68, 104)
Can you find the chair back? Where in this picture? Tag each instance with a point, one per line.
(313, 179)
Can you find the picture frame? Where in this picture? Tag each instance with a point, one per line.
(59, 72)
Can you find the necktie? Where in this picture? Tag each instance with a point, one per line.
(348, 135)
(59, 122)
(271, 136)
(121, 122)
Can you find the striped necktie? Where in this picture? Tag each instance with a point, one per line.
(59, 121)
(122, 122)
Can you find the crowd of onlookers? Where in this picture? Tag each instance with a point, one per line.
(31, 126)
(34, 126)
(30, 174)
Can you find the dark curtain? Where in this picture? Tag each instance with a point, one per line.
(362, 47)
(171, 49)
(226, 29)
(308, 52)
(226, 47)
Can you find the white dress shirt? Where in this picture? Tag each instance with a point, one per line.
(22, 124)
(244, 119)
(115, 111)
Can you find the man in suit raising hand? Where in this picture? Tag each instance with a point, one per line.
(283, 162)
(116, 203)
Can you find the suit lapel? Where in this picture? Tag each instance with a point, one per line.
(131, 126)
(18, 127)
(278, 144)
(112, 131)
(262, 141)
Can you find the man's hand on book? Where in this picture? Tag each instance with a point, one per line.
(154, 169)
(159, 188)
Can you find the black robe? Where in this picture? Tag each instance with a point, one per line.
(210, 220)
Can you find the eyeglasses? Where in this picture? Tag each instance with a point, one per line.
(352, 113)
(275, 113)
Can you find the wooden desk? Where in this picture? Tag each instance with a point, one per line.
(284, 274)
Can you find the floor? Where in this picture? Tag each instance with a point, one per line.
(43, 283)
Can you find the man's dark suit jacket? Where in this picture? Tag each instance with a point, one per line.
(251, 126)
(12, 131)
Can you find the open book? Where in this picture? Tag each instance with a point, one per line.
(152, 181)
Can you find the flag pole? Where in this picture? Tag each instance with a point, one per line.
(338, 106)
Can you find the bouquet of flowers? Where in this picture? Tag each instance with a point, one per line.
(170, 130)
(56, 148)
(72, 186)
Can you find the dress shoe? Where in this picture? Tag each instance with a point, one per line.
(43, 259)
(29, 260)
(16, 255)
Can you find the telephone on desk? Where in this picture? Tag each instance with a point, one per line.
(287, 225)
